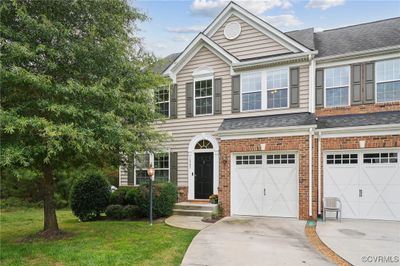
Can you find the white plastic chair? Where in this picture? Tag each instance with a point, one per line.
(332, 204)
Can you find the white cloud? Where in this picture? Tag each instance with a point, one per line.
(181, 38)
(190, 29)
(282, 20)
(324, 4)
(210, 8)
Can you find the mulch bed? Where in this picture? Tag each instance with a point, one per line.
(317, 243)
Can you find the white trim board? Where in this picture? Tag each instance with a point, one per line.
(192, 49)
(362, 131)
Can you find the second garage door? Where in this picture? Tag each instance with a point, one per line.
(367, 182)
(265, 184)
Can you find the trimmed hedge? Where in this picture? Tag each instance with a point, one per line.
(119, 212)
(164, 198)
(90, 196)
(124, 196)
(114, 211)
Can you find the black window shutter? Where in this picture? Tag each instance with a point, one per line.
(217, 96)
(236, 94)
(189, 99)
(131, 170)
(369, 81)
(356, 89)
(319, 88)
(173, 103)
(173, 161)
(294, 87)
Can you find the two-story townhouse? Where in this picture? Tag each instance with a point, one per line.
(273, 122)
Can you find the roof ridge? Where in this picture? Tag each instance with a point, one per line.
(359, 24)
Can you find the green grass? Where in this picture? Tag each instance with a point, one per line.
(93, 243)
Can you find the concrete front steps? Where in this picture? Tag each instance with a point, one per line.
(195, 209)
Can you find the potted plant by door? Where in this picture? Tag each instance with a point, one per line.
(213, 199)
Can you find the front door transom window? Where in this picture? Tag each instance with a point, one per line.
(203, 144)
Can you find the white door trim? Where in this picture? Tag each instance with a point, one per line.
(191, 153)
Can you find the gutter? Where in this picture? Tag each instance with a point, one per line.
(242, 132)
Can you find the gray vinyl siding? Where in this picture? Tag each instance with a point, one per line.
(250, 43)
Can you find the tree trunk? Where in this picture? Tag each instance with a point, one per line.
(50, 218)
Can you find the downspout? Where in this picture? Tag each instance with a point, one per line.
(310, 183)
(319, 172)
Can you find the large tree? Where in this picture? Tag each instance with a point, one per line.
(75, 88)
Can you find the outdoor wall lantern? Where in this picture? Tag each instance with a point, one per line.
(150, 173)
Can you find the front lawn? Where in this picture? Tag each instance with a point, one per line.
(93, 243)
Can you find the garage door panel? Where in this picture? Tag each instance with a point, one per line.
(369, 187)
(266, 189)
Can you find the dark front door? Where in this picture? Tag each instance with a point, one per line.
(203, 175)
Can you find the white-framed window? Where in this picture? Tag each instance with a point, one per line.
(203, 96)
(387, 80)
(281, 159)
(277, 88)
(248, 159)
(379, 158)
(337, 86)
(264, 90)
(162, 100)
(345, 158)
(160, 161)
(251, 91)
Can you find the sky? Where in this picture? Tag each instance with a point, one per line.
(174, 24)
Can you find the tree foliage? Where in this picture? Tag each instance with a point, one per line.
(75, 85)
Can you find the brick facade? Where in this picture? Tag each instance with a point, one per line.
(349, 143)
(358, 109)
(295, 143)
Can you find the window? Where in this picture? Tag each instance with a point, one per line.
(203, 144)
(384, 157)
(160, 161)
(162, 100)
(251, 91)
(267, 89)
(337, 82)
(161, 167)
(203, 97)
(248, 159)
(342, 158)
(277, 88)
(281, 159)
(388, 80)
(142, 161)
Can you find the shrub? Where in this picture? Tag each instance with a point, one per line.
(90, 196)
(124, 196)
(131, 196)
(115, 211)
(164, 198)
(131, 211)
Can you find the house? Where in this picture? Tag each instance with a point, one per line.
(275, 121)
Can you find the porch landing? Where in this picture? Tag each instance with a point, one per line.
(195, 208)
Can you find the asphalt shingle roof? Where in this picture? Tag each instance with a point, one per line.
(361, 37)
(283, 120)
(304, 37)
(356, 120)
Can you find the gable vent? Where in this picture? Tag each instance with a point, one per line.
(232, 30)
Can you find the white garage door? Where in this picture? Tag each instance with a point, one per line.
(367, 182)
(265, 184)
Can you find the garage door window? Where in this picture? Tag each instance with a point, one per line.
(346, 158)
(280, 159)
(248, 159)
(384, 157)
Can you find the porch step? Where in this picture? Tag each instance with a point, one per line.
(195, 209)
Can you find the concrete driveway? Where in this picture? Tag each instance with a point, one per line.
(253, 241)
(362, 242)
